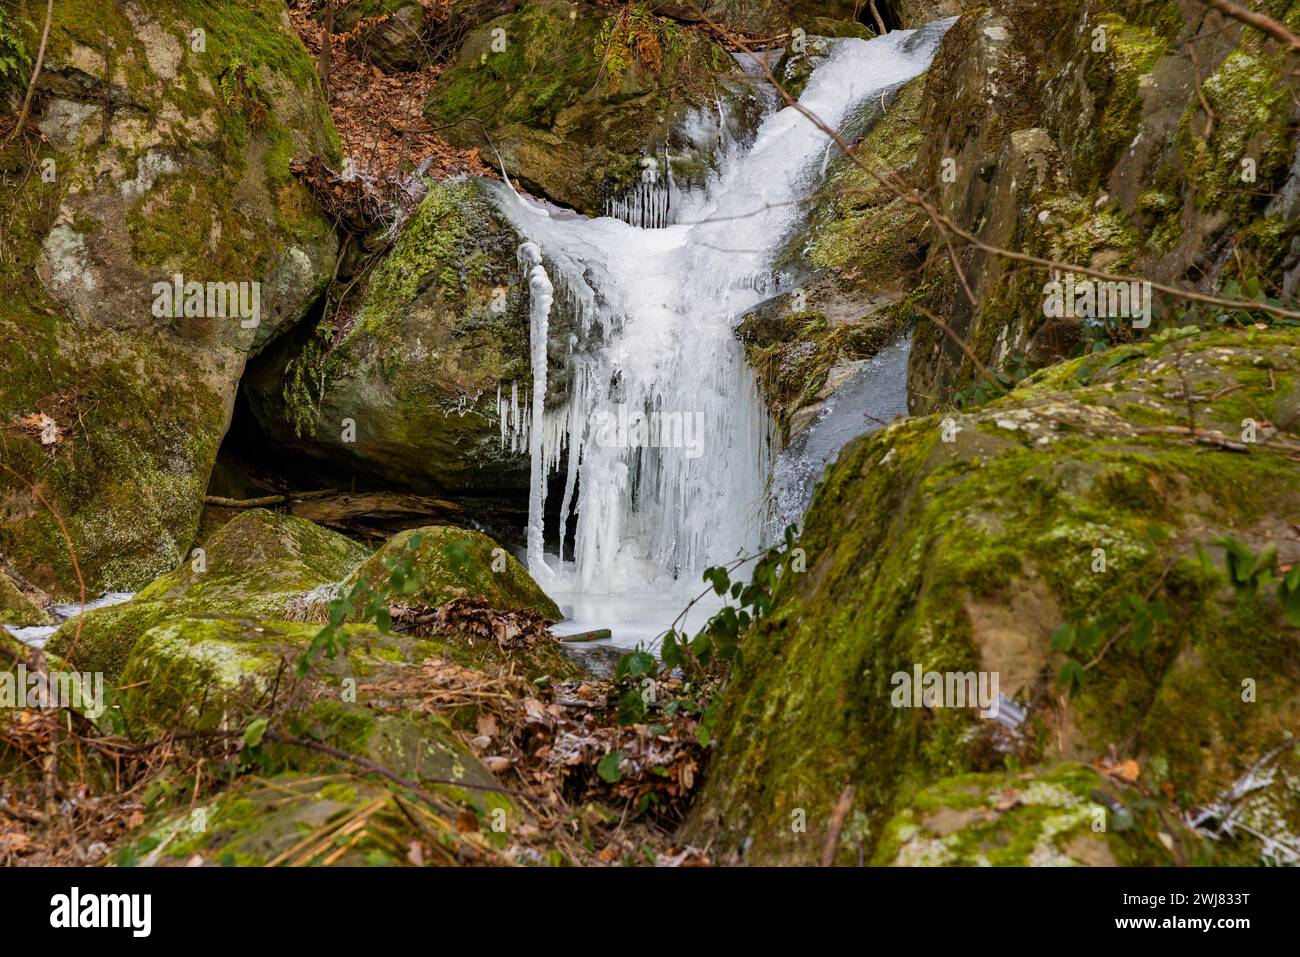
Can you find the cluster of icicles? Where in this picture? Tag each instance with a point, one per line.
(646, 301)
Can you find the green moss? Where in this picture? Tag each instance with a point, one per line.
(860, 226)
(918, 547)
(17, 606)
(1047, 818)
(576, 97)
(255, 565)
(459, 563)
(1131, 52)
(149, 404)
(1252, 112)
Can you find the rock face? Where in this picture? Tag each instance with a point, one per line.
(1034, 820)
(170, 158)
(574, 99)
(406, 391)
(761, 16)
(395, 36)
(1084, 138)
(964, 544)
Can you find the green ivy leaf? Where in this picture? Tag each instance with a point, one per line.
(609, 769)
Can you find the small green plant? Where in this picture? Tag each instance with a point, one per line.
(997, 383)
(242, 90)
(1085, 639)
(704, 659)
(1251, 572)
(1250, 290)
(15, 58)
(332, 640)
(628, 39)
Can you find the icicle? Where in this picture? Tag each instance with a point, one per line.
(541, 294)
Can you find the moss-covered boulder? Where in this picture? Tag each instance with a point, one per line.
(20, 604)
(964, 544)
(188, 672)
(407, 392)
(458, 563)
(167, 157)
(1080, 134)
(1069, 816)
(256, 565)
(333, 820)
(572, 98)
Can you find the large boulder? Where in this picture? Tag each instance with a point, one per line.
(194, 674)
(268, 568)
(571, 99)
(255, 565)
(405, 393)
(1051, 539)
(167, 157)
(1081, 135)
(458, 563)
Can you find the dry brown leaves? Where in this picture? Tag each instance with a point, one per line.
(358, 203)
(40, 426)
(474, 619)
(555, 737)
(379, 116)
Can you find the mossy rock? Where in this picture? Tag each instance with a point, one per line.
(294, 820)
(441, 327)
(165, 160)
(18, 605)
(1041, 138)
(767, 17)
(578, 96)
(458, 563)
(255, 565)
(188, 672)
(1068, 816)
(967, 555)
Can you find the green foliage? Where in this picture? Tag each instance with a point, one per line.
(705, 659)
(15, 58)
(1086, 638)
(1249, 573)
(242, 90)
(630, 38)
(997, 383)
(1251, 290)
(403, 579)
